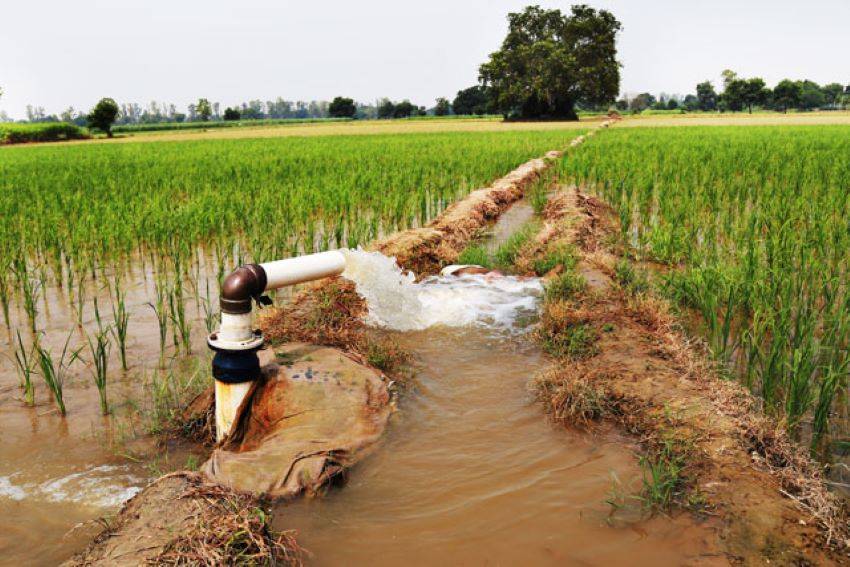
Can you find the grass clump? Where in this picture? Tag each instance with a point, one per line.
(507, 253)
(571, 398)
(476, 255)
(561, 255)
(564, 287)
(566, 332)
(632, 280)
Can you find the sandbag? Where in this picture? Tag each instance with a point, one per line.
(315, 413)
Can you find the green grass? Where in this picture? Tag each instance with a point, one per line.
(12, 133)
(561, 255)
(753, 223)
(248, 123)
(477, 255)
(506, 254)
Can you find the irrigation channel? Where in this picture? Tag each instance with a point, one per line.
(470, 472)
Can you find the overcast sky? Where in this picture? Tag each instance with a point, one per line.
(60, 53)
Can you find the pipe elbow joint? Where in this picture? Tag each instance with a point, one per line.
(240, 287)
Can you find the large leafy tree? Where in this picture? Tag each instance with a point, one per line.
(706, 96)
(443, 107)
(549, 62)
(342, 107)
(474, 100)
(203, 109)
(103, 115)
(786, 94)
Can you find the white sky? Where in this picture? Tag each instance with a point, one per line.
(56, 53)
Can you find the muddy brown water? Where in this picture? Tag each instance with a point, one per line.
(472, 474)
(58, 475)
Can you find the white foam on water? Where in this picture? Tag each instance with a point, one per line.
(397, 301)
(105, 486)
(9, 490)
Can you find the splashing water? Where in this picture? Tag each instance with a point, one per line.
(104, 486)
(397, 301)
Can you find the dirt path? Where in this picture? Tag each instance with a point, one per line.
(705, 443)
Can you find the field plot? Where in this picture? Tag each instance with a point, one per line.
(118, 250)
(739, 119)
(751, 225)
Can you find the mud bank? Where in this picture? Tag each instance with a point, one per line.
(703, 436)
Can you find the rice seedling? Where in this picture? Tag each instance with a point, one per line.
(752, 223)
(25, 364)
(180, 325)
(55, 369)
(28, 290)
(99, 347)
(120, 322)
(4, 297)
(160, 311)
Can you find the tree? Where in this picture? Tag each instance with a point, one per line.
(203, 109)
(706, 96)
(641, 102)
(231, 114)
(786, 95)
(386, 108)
(443, 107)
(103, 115)
(734, 95)
(474, 100)
(342, 107)
(811, 95)
(549, 62)
(672, 104)
(754, 93)
(833, 92)
(404, 109)
(690, 103)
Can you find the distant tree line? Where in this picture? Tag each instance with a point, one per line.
(745, 94)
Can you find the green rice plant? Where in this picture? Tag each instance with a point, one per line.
(538, 192)
(25, 364)
(180, 326)
(55, 369)
(99, 347)
(28, 289)
(160, 311)
(751, 223)
(120, 322)
(211, 314)
(4, 297)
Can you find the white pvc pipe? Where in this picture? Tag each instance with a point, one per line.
(303, 269)
(235, 328)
